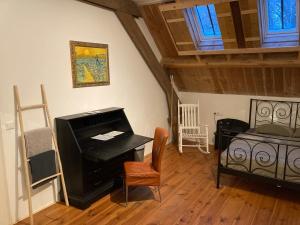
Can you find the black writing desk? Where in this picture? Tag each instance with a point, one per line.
(92, 167)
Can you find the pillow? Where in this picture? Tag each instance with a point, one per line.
(275, 129)
(297, 133)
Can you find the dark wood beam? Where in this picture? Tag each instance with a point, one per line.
(238, 24)
(125, 6)
(154, 65)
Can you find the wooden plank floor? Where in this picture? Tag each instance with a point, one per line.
(189, 196)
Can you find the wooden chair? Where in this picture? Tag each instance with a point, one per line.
(144, 173)
(189, 128)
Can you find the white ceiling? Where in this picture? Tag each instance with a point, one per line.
(149, 2)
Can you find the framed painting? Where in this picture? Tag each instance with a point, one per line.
(90, 65)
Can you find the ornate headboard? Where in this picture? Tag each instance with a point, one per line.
(284, 113)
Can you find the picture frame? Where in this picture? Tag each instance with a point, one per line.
(90, 64)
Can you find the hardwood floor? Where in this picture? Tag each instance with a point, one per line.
(189, 196)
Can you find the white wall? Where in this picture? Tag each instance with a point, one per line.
(34, 47)
(227, 106)
(4, 211)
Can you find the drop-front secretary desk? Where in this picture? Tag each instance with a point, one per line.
(92, 163)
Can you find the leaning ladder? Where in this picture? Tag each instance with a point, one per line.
(48, 123)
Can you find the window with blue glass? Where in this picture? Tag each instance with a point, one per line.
(280, 21)
(208, 20)
(204, 27)
(282, 15)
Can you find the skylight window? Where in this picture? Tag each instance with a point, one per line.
(279, 22)
(204, 27)
(282, 15)
(208, 19)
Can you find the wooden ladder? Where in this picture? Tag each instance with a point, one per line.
(48, 123)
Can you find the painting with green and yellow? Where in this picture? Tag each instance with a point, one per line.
(91, 65)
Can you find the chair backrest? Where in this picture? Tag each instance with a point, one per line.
(188, 115)
(159, 143)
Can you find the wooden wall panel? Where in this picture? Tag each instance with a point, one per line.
(226, 24)
(269, 83)
(236, 75)
(227, 28)
(158, 30)
(250, 25)
(180, 32)
(174, 14)
(278, 76)
(253, 44)
(186, 47)
(282, 56)
(222, 8)
(283, 82)
(230, 45)
(193, 80)
(248, 4)
(293, 82)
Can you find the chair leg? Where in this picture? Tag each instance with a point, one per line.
(207, 146)
(158, 188)
(126, 194)
(179, 142)
(123, 187)
(199, 144)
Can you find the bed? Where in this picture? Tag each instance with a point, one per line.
(273, 157)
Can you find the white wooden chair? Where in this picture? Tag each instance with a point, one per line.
(190, 129)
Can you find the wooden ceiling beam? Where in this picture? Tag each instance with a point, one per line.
(243, 12)
(240, 51)
(125, 6)
(177, 63)
(238, 24)
(190, 4)
(176, 20)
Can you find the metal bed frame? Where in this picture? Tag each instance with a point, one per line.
(261, 158)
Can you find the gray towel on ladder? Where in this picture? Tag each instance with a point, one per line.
(40, 154)
(38, 141)
(42, 165)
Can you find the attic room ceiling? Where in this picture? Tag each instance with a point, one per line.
(149, 2)
(244, 67)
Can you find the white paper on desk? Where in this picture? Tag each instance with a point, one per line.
(114, 133)
(102, 137)
(107, 136)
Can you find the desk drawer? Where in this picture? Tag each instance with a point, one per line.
(98, 173)
(93, 167)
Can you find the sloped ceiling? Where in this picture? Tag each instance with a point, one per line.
(263, 73)
(150, 2)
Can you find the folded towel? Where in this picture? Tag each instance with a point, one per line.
(38, 141)
(42, 165)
